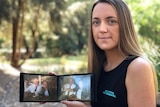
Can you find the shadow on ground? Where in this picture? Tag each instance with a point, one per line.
(4, 80)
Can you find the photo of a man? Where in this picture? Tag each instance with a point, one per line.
(68, 89)
(40, 88)
(76, 87)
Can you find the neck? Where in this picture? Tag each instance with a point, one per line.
(113, 60)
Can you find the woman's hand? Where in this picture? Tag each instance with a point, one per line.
(75, 104)
(51, 73)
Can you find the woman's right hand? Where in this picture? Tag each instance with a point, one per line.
(51, 73)
(75, 104)
(72, 103)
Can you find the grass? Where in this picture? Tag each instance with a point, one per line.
(56, 60)
(60, 65)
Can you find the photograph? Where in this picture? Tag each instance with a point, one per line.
(75, 87)
(39, 88)
(55, 88)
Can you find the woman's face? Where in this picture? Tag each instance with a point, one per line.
(105, 26)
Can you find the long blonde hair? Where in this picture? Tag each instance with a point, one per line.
(128, 43)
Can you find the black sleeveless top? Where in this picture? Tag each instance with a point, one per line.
(111, 89)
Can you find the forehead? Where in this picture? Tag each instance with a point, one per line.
(104, 10)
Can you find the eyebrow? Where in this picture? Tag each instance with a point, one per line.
(109, 17)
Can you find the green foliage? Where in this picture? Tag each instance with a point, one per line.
(4, 4)
(1, 42)
(152, 51)
(63, 45)
(151, 26)
(73, 34)
(64, 19)
(146, 18)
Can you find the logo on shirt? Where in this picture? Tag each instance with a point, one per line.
(109, 93)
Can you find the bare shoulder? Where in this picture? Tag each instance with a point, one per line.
(140, 83)
(139, 72)
(138, 66)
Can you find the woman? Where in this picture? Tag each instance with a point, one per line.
(124, 77)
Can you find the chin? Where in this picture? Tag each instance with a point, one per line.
(107, 48)
(104, 47)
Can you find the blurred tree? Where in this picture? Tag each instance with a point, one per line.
(79, 20)
(18, 13)
(146, 18)
(61, 26)
(72, 38)
(4, 4)
(17, 30)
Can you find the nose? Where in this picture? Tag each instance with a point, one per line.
(103, 27)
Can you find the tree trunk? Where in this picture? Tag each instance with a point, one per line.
(17, 36)
(14, 59)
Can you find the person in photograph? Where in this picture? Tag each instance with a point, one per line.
(44, 90)
(124, 76)
(69, 89)
(26, 84)
(33, 89)
(79, 93)
(82, 92)
(47, 92)
(52, 84)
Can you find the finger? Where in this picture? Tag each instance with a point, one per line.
(51, 73)
(68, 103)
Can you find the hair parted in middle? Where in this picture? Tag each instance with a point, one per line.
(128, 42)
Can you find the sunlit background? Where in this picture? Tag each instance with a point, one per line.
(41, 36)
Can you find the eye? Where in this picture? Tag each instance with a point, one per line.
(112, 21)
(95, 22)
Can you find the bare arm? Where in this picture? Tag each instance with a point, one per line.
(140, 84)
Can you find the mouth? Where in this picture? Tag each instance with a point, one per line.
(104, 37)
